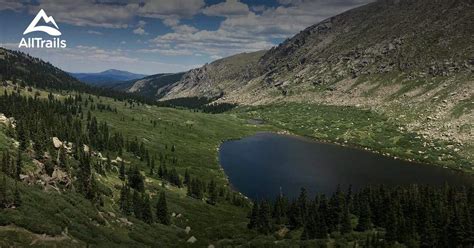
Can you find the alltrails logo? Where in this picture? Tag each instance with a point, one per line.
(37, 42)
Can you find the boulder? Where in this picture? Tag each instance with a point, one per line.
(57, 143)
(187, 230)
(192, 240)
(86, 148)
(4, 119)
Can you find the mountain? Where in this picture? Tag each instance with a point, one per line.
(20, 67)
(150, 86)
(410, 59)
(106, 78)
(221, 76)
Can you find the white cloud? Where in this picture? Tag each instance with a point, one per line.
(11, 5)
(216, 57)
(217, 43)
(164, 9)
(111, 14)
(140, 31)
(88, 12)
(227, 8)
(94, 32)
(258, 8)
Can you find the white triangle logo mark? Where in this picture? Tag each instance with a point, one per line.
(47, 19)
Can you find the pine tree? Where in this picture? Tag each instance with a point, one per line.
(63, 159)
(309, 230)
(125, 200)
(161, 172)
(18, 166)
(17, 197)
(108, 163)
(213, 194)
(321, 227)
(364, 218)
(346, 225)
(186, 177)
(3, 192)
(162, 210)
(137, 204)
(122, 171)
(136, 179)
(152, 167)
(254, 216)
(147, 215)
(264, 218)
(302, 206)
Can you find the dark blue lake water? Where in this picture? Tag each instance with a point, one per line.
(261, 165)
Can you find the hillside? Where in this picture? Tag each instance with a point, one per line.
(412, 60)
(215, 79)
(150, 86)
(27, 70)
(83, 166)
(106, 78)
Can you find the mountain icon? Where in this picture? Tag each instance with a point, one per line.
(47, 19)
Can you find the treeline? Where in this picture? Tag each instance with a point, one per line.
(203, 104)
(416, 216)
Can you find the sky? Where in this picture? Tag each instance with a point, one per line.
(156, 36)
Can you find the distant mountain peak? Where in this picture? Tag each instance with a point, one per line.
(107, 77)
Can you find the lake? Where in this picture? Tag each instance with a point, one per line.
(262, 165)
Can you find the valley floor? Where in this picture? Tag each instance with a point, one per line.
(53, 218)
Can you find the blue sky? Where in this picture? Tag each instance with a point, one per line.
(154, 36)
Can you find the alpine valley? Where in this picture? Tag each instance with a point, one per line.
(117, 159)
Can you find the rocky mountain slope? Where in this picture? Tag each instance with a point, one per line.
(151, 86)
(219, 77)
(410, 59)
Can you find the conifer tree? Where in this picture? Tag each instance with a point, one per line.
(254, 216)
(321, 227)
(17, 197)
(346, 226)
(137, 204)
(364, 218)
(63, 159)
(125, 201)
(264, 218)
(186, 177)
(213, 194)
(18, 166)
(162, 210)
(147, 215)
(3, 192)
(122, 171)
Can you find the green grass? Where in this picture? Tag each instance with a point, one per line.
(360, 128)
(463, 107)
(196, 137)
